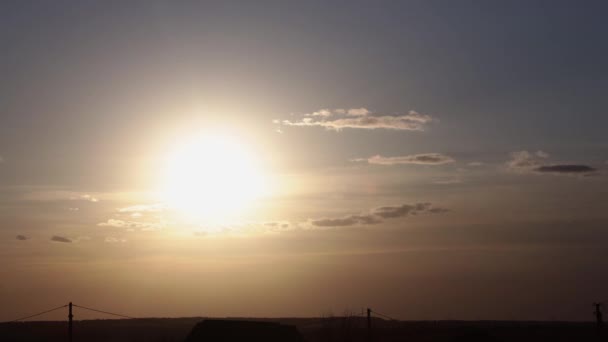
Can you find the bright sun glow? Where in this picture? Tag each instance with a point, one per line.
(213, 178)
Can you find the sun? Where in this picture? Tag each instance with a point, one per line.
(213, 178)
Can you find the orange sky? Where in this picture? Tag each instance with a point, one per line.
(214, 159)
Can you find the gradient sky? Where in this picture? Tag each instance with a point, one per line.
(429, 159)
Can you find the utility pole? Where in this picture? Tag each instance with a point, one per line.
(70, 316)
(369, 325)
(598, 315)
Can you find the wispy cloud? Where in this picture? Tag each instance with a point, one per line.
(57, 238)
(445, 181)
(116, 223)
(378, 215)
(50, 194)
(527, 162)
(277, 225)
(21, 237)
(144, 208)
(524, 161)
(360, 118)
(112, 239)
(87, 197)
(401, 210)
(420, 159)
(370, 217)
(351, 220)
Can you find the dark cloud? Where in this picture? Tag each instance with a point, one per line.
(438, 210)
(335, 222)
(526, 162)
(565, 168)
(21, 237)
(351, 220)
(402, 210)
(378, 215)
(57, 238)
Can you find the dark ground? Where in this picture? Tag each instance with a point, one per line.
(343, 329)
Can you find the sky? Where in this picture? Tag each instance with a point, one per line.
(428, 159)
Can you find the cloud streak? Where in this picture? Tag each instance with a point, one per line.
(378, 215)
(144, 208)
(144, 226)
(111, 239)
(527, 162)
(418, 159)
(57, 238)
(565, 168)
(361, 118)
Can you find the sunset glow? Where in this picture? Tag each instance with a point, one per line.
(432, 160)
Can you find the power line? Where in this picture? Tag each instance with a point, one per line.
(38, 314)
(385, 316)
(105, 312)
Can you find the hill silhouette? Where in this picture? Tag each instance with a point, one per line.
(236, 331)
(325, 329)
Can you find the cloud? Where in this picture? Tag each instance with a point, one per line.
(359, 112)
(475, 163)
(131, 224)
(1, 159)
(85, 197)
(527, 162)
(321, 112)
(115, 223)
(445, 181)
(370, 217)
(419, 159)
(361, 118)
(89, 198)
(111, 239)
(82, 238)
(277, 225)
(347, 221)
(565, 168)
(438, 210)
(21, 237)
(402, 210)
(378, 215)
(57, 238)
(50, 194)
(542, 154)
(524, 161)
(144, 208)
